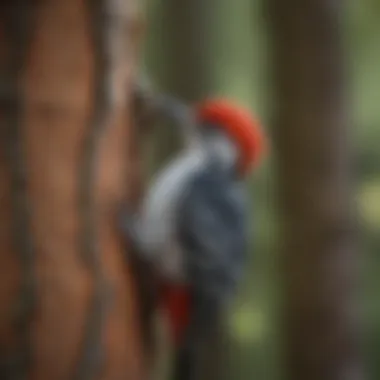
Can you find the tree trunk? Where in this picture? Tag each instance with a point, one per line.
(67, 309)
(321, 316)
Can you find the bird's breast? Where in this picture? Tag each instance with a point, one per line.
(163, 198)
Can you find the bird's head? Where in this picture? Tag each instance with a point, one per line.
(231, 133)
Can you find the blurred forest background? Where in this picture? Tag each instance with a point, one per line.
(231, 46)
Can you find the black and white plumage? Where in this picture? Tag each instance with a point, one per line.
(212, 229)
(196, 186)
(193, 229)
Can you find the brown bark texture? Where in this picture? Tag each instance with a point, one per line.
(67, 307)
(310, 138)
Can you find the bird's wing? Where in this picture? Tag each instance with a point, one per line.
(213, 231)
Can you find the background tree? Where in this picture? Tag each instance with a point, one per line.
(313, 161)
(180, 57)
(67, 307)
(181, 61)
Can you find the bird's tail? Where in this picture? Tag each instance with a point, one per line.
(191, 318)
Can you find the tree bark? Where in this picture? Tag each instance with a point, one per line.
(319, 253)
(67, 307)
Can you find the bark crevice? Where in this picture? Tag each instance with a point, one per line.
(92, 355)
(18, 17)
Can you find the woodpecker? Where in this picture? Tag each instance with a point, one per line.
(192, 226)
